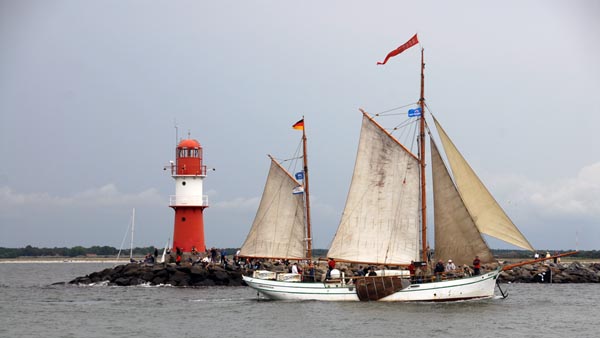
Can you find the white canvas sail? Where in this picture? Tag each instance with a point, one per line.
(380, 223)
(278, 230)
(456, 236)
(485, 211)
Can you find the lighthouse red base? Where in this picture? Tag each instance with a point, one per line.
(189, 229)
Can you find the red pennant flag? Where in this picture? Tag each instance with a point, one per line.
(413, 41)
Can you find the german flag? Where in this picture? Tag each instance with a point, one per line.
(299, 125)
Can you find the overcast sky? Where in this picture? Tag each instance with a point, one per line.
(90, 92)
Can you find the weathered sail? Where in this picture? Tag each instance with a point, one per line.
(380, 223)
(456, 236)
(485, 211)
(278, 230)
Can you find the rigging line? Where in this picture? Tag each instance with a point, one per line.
(406, 130)
(394, 109)
(413, 138)
(294, 164)
(288, 159)
(403, 124)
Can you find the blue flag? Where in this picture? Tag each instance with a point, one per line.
(300, 175)
(414, 112)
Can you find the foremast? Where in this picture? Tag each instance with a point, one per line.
(422, 162)
(306, 195)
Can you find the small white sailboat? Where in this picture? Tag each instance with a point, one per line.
(131, 227)
(164, 254)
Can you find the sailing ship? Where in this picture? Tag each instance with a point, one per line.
(384, 222)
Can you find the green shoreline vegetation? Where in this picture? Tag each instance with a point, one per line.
(108, 251)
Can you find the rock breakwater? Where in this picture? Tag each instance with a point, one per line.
(574, 272)
(215, 275)
(162, 274)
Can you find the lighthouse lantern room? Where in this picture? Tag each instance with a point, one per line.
(188, 202)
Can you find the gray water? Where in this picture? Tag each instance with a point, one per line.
(31, 307)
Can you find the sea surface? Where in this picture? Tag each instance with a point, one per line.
(30, 306)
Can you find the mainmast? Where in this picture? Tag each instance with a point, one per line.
(306, 196)
(422, 162)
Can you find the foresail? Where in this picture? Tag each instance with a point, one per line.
(456, 236)
(380, 222)
(278, 230)
(485, 211)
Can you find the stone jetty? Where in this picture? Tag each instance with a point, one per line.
(164, 274)
(574, 272)
(188, 275)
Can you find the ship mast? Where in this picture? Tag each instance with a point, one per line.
(422, 162)
(306, 196)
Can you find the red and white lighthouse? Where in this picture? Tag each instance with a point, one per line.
(188, 201)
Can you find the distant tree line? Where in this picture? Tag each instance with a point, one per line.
(504, 253)
(80, 251)
(76, 251)
(109, 251)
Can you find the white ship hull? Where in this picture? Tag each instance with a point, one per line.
(281, 290)
(476, 287)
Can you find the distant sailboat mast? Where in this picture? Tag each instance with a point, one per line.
(125, 237)
(132, 229)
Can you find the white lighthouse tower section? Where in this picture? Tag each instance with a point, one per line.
(188, 191)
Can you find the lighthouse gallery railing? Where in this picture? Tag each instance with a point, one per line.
(191, 200)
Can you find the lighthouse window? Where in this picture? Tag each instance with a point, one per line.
(183, 219)
(183, 183)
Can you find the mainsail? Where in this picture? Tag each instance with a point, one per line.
(380, 223)
(278, 230)
(456, 236)
(488, 216)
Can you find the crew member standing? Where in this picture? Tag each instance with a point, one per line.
(476, 266)
(331, 266)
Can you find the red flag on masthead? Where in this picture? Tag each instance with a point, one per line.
(413, 41)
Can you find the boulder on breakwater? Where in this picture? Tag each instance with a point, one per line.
(574, 272)
(163, 274)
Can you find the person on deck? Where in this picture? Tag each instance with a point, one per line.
(476, 266)
(450, 266)
(411, 270)
(372, 272)
(295, 268)
(330, 266)
(311, 272)
(439, 270)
